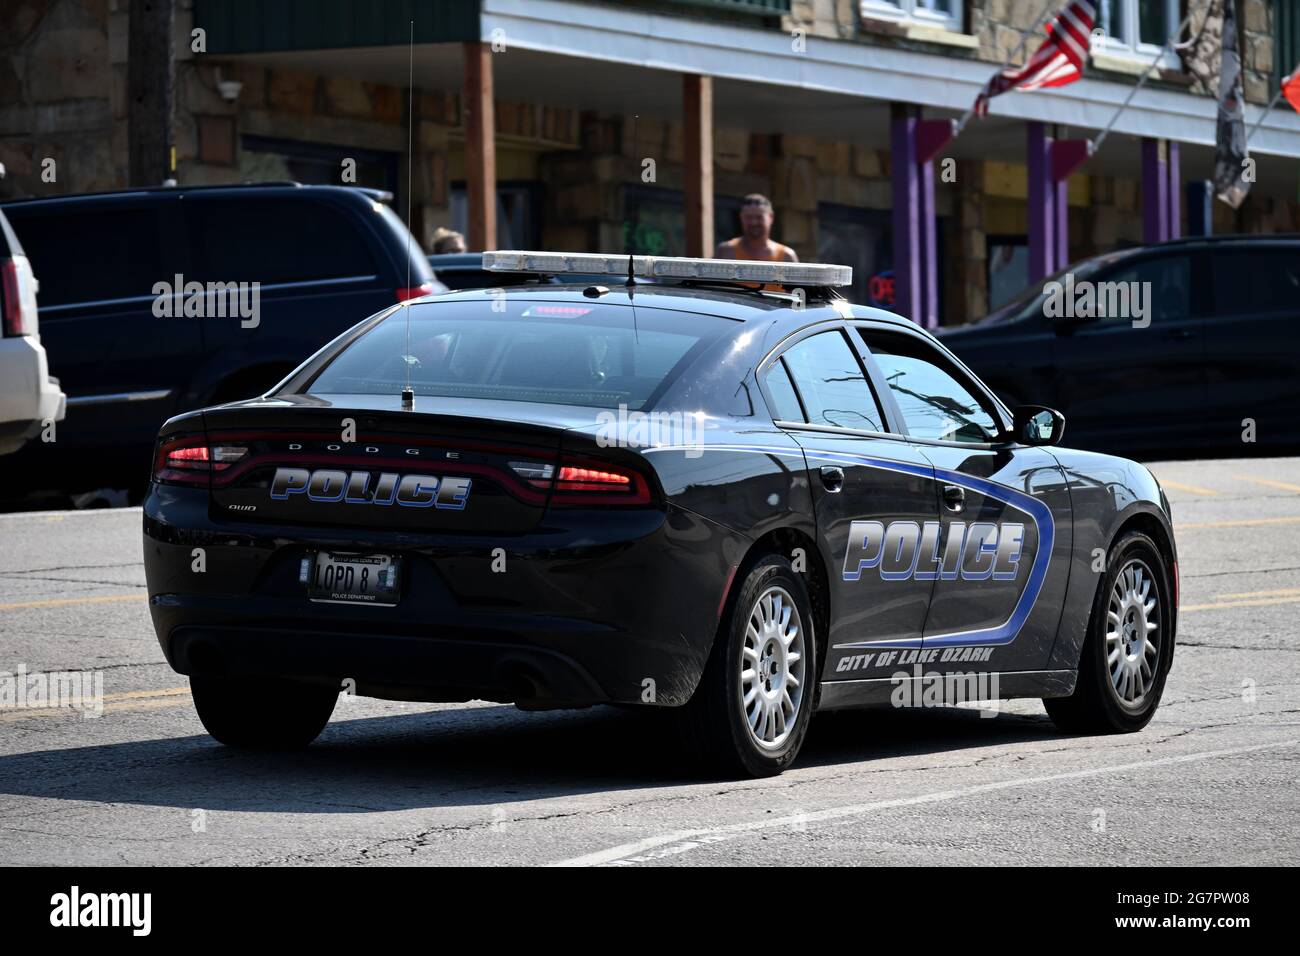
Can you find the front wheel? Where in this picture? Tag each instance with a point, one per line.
(752, 708)
(1129, 646)
(262, 714)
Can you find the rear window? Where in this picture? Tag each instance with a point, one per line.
(1260, 281)
(88, 255)
(274, 240)
(597, 355)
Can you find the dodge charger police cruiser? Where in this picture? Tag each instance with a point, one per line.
(433, 508)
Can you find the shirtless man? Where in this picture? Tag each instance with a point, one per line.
(755, 241)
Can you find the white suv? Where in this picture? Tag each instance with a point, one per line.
(29, 397)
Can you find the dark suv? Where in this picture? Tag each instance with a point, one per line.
(148, 306)
(1208, 361)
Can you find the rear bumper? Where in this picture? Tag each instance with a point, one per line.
(610, 607)
(28, 396)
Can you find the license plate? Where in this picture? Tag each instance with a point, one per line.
(354, 578)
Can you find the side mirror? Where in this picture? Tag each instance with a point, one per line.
(1037, 425)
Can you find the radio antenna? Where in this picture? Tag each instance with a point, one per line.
(630, 238)
(408, 393)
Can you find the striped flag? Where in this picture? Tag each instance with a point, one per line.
(1291, 89)
(1057, 62)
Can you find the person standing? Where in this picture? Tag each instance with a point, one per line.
(755, 240)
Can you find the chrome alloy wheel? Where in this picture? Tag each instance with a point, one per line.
(1133, 634)
(772, 668)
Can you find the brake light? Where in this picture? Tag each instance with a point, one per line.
(414, 292)
(191, 460)
(591, 479)
(598, 482)
(19, 306)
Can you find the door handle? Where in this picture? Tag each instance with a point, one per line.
(954, 497)
(832, 478)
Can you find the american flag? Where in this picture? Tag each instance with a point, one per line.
(1057, 62)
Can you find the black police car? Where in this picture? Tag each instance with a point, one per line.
(156, 301)
(1201, 354)
(738, 505)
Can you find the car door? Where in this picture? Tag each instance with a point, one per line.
(1004, 548)
(1133, 378)
(874, 497)
(1251, 342)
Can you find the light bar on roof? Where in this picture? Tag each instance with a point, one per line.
(666, 267)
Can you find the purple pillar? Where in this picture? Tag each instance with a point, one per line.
(1174, 191)
(908, 265)
(1155, 192)
(1040, 203)
(928, 315)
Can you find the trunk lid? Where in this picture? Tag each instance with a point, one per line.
(362, 461)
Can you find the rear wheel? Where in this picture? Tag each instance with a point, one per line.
(1127, 652)
(752, 708)
(264, 713)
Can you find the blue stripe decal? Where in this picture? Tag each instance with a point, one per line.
(1038, 512)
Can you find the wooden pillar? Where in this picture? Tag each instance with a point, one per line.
(697, 156)
(480, 147)
(150, 81)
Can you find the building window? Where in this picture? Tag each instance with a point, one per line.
(1136, 27)
(945, 14)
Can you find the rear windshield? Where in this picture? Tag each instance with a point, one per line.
(597, 355)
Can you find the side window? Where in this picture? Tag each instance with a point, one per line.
(830, 380)
(1154, 289)
(783, 394)
(275, 240)
(122, 257)
(1267, 280)
(931, 394)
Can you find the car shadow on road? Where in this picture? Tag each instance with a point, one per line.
(462, 757)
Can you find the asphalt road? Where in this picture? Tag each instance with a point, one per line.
(1213, 779)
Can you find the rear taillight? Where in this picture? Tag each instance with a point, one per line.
(414, 292)
(189, 461)
(581, 482)
(19, 300)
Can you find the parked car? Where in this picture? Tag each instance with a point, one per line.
(133, 349)
(1214, 361)
(813, 506)
(29, 397)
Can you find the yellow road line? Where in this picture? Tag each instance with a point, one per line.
(1190, 489)
(1264, 602)
(137, 694)
(10, 716)
(63, 602)
(1243, 523)
(1269, 482)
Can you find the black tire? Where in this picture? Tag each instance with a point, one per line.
(1097, 706)
(715, 718)
(262, 714)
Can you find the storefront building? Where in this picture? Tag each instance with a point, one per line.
(587, 125)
